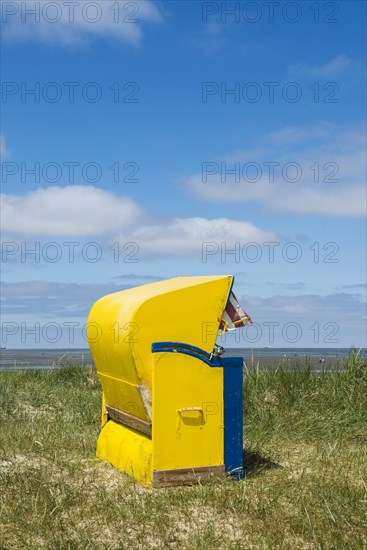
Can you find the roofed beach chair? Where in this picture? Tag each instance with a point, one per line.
(171, 405)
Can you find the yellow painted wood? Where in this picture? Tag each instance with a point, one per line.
(127, 450)
(121, 330)
(187, 413)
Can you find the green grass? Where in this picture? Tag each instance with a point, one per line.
(305, 462)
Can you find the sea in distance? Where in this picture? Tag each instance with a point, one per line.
(318, 358)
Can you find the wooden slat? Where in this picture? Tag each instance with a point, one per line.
(186, 476)
(129, 420)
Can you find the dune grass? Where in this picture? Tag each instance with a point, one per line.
(305, 462)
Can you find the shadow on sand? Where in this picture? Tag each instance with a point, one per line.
(254, 463)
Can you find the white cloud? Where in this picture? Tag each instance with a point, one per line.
(331, 69)
(86, 210)
(321, 153)
(65, 24)
(4, 151)
(185, 236)
(347, 202)
(67, 211)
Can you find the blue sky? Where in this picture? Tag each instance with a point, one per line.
(167, 138)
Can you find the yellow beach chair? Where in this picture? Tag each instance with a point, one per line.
(171, 407)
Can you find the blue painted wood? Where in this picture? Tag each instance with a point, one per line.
(187, 349)
(233, 415)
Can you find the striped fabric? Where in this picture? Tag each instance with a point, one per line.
(234, 316)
